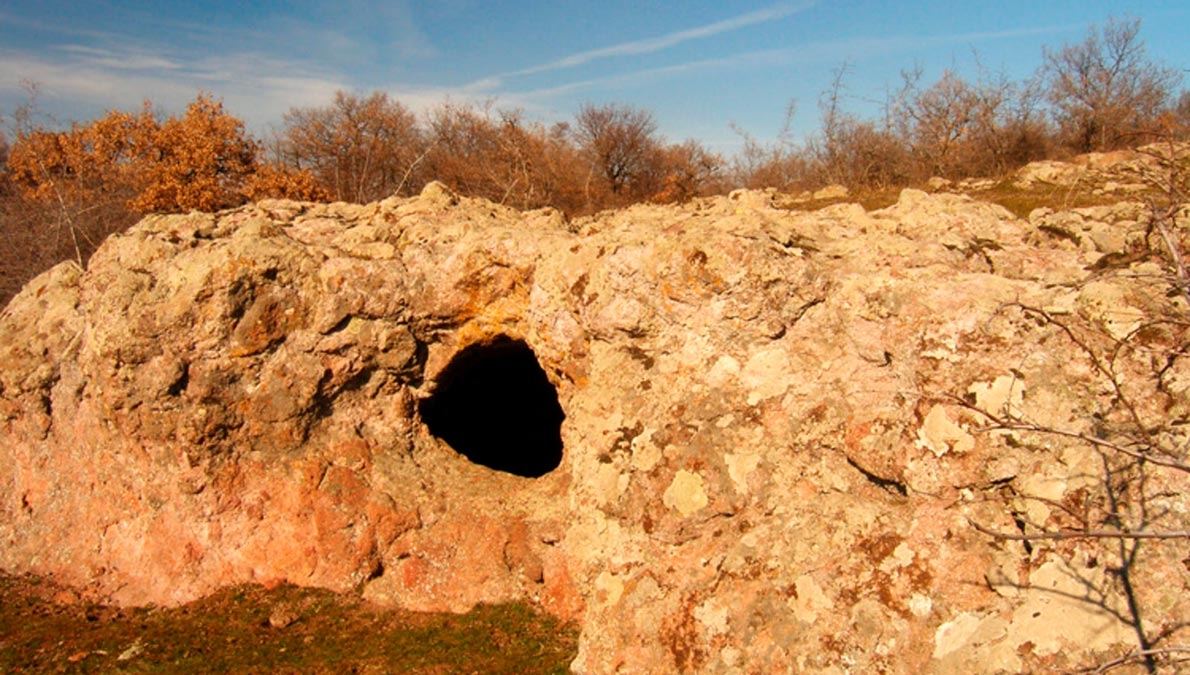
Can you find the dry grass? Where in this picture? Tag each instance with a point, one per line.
(284, 630)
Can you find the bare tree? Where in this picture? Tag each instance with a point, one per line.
(936, 121)
(621, 144)
(852, 151)
(956, 128)
(1008, 128)
(1105, 90)
(360, 149)
(498, 155)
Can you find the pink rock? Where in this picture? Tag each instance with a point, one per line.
(769, 462)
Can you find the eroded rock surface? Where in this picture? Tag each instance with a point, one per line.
(770, 460)
(1120, 172)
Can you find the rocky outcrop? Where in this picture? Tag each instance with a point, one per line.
(1120, 172)
(724, 437)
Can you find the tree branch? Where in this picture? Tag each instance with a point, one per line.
(1081, 534)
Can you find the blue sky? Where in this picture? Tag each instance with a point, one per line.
(700, 66)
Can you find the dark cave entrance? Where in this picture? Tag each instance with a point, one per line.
(494, 404)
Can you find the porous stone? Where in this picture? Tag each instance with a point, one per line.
(771, 450)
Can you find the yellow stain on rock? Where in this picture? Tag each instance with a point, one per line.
(940, 434)
(686, 493)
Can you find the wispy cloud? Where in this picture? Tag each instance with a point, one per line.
(27, 24)
(257, 88)
(125, 60)
(656, 44)
(833, 51)
(650, 45)
(79, 82)
(83, 68)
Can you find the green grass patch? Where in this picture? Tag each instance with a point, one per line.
(312, 631)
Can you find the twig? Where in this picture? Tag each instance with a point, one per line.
(413, 165)
(1104, 369)
(1178, 266)
(1009, 425)
(1081, 534)
(1138, 654)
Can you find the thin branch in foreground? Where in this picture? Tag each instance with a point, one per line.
(1009, 425)
(1082, 534)
(1137, 655)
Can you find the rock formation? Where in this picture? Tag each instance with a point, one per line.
(724, 437)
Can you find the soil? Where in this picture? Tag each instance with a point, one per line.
(251, 629)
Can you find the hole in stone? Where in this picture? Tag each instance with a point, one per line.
(494, 404)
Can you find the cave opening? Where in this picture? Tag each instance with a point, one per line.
(494, 405)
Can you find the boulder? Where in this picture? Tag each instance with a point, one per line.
(723, 437)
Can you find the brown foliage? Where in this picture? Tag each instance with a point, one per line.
(273, 181)
(197, 162)
(621, 147)
(1105, 90)
(359, 149)
(499, 156)
(688, 170)
(66, 191)
(85, 163)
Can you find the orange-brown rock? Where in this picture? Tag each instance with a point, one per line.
(744, 438)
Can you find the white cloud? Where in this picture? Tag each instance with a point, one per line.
(834, 51)
(258, 89)
(656, 44)
(659, 43)
(128, 60)
(78, 83)
(260, 69)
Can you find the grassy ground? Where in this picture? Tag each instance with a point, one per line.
(284, 630)
(1020, 201)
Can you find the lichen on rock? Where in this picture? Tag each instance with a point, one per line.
(771, 451)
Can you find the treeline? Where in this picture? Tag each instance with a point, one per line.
(64, 190)
(360, 149)
(1098, 95)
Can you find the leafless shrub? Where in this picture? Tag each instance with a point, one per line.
(360, 149)
(1105, 90)
(958, 129)
(496, 154)
(782, 164)
(620, 145)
